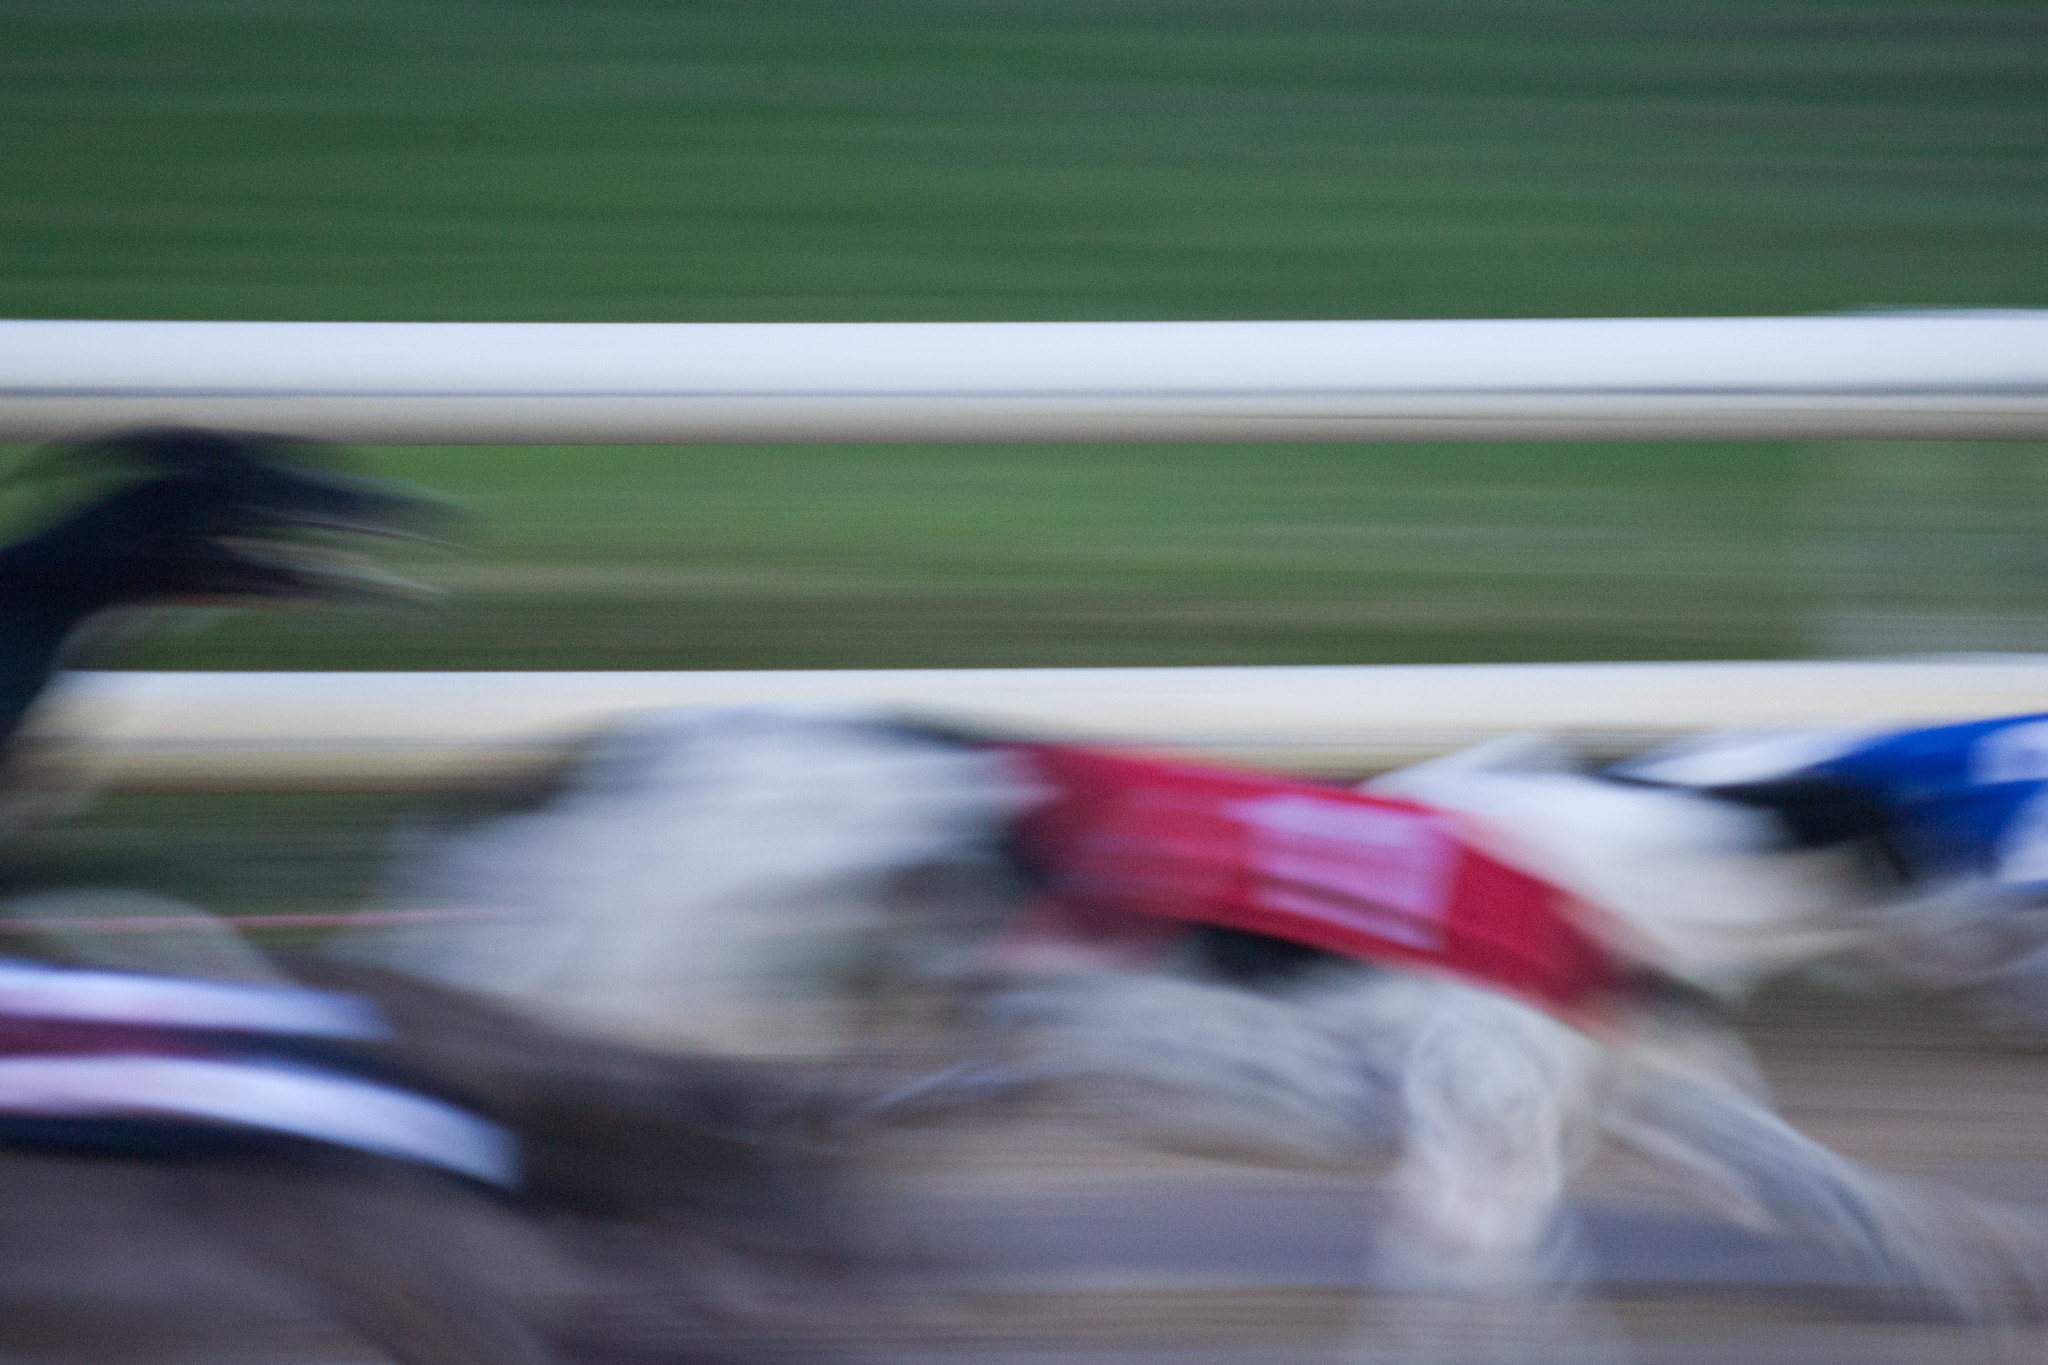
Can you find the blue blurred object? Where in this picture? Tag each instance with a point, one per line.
(1947, 802)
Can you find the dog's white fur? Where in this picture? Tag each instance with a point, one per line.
(710, 878)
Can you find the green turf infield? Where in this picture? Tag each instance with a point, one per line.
(1018, 159)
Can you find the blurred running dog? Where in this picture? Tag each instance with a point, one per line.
(698, 850)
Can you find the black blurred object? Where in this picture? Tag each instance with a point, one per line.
(1257, 961)
(1824, 812)
(1810, 813)
(214, 518)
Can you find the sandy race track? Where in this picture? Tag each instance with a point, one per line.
(1066, 1248)
(1031, 1241)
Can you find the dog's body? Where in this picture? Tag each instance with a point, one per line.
(722, 880)
(1492, 1106)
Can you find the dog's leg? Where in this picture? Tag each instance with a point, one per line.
(1689, 1101)
(1193, 1066)
(1479, 1260)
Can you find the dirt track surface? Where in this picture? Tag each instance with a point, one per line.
(1069, 1248)
(1041, 1242)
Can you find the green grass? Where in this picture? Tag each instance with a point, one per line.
(234, 853)
(821, 159)
(930, 556)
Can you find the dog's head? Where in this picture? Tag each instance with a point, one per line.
(213, 517)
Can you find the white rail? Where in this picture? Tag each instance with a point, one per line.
(1961, 375)
(284, 730)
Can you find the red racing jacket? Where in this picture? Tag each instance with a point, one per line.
(1122, 843)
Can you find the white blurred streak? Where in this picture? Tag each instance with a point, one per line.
(285, 730)
(1930, 375)
(1697, 888)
